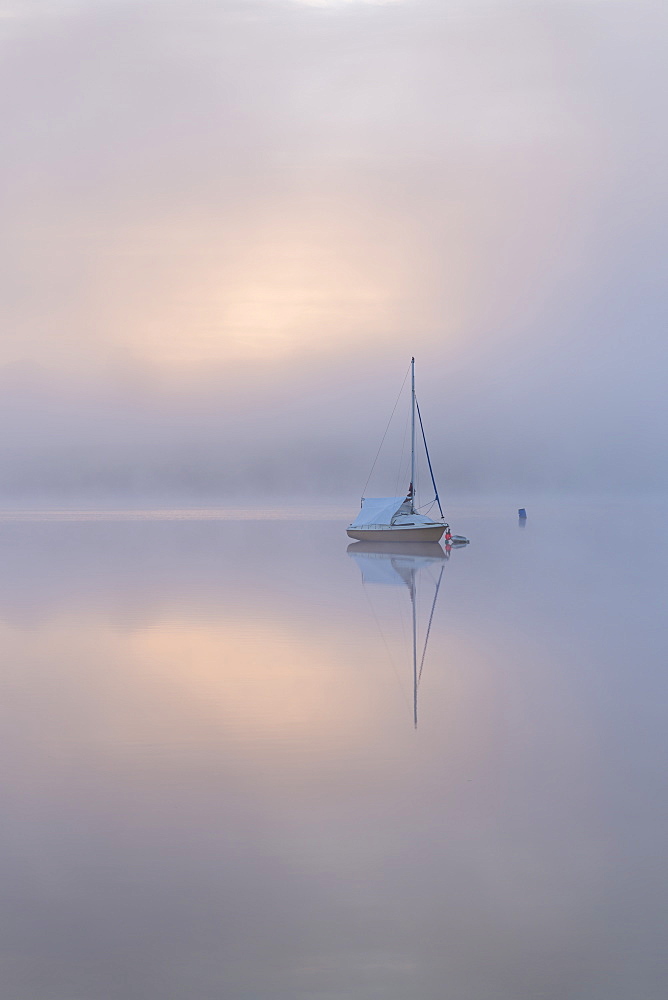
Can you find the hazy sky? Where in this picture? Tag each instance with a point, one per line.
(227, 224)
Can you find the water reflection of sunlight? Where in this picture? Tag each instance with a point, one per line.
(268, 679)
(177, 636)
(191, 683)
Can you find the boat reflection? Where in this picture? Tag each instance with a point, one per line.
(399, 565)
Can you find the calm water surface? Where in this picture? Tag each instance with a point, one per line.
(213, 785)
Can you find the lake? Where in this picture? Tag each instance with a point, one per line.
(214, 784)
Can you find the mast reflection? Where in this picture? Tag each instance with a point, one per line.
(390, 564)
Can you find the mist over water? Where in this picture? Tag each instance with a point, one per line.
(500, 426)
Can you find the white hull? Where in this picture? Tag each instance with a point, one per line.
(416, 533)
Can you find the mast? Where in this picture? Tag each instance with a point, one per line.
(412, 435)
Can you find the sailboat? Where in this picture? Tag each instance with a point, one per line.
(395, 519)
(388, 565)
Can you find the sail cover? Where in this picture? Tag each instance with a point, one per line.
(377, 510)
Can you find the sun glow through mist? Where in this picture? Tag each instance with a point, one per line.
(322, 283)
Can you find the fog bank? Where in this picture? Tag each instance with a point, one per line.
(227, 227)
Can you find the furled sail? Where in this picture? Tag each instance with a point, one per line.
(378, 510)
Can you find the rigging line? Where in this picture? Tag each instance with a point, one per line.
(386, 430)
(431, 618)
(387, 648)
(424, 438)
(403, 446)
